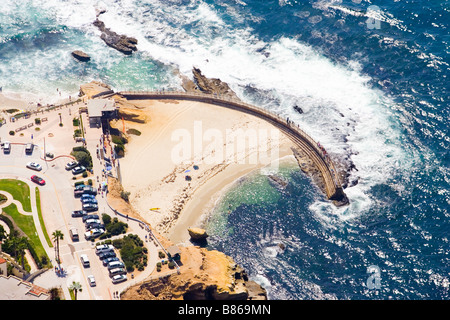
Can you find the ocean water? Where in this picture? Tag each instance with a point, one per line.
(372, 80)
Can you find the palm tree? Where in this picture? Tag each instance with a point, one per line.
(22, 244)
(75, 286)
(57, 235)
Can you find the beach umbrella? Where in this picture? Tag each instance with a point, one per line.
(187, 171)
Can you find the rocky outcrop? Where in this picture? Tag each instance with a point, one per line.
(93, 88)
(204, 275)
(119, 42)
(81, 56)
(209, 85)
(197, 234)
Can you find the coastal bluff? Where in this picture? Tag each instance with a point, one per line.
(206, 275)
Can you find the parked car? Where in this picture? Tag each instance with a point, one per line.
(90, 190)
(78, 193)
(78, 170)
(80, 187)
(90, 216)
(89, 200)
(90, 207)
(92, 221)
(71, 165)
(91, 280)
(95, 226)
(79, 213)
(103, 248)
(87, 196)
(115, 264)
(116, 271)
(94, 233)
(108, 260)
(50, 155)
(85, 260)
(6, 147)
(119, 278)
(109, 254)
(38, 180)
(34, 166)
(29, 148)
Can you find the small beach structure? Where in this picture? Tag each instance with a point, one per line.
(101, 110)
(174, 252)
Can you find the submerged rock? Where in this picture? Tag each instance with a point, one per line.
(80, 55)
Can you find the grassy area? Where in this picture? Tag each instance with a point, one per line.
(26, 224)
(41, 219)
(19, 190)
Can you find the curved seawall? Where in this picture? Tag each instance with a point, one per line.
(324, 164)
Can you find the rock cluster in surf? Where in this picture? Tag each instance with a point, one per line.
(122, 43)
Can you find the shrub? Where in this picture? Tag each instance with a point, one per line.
(37, 121)
(77, 133)
(84, 174)
(119, 140)
(134, 131)
(131, 253)
(119, 149)
(125, 195)
(12, 132)
(106, 219)
(83, 156)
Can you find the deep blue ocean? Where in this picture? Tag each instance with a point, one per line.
(372, 80)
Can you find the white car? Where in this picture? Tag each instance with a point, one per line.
(71, 165)
(119, 278)
(91, 280)
(94, 233)
(103, 248)
(34, 166)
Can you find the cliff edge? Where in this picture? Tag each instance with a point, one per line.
(205, 275)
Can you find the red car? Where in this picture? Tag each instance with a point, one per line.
(38, 180)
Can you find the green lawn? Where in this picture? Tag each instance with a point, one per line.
(26, 224)
(41, 219)
(19, 190)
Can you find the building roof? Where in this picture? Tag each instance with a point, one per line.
(14, 288)
(97, 106)
(173, 250)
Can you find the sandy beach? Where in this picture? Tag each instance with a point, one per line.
(181, 192)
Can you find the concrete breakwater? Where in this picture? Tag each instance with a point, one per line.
(310, 148)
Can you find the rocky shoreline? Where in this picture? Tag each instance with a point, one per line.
(204, 274)
(210, 275)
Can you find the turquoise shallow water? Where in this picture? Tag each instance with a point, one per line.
(372, 80)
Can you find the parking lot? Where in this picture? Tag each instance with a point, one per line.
(57, 203)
